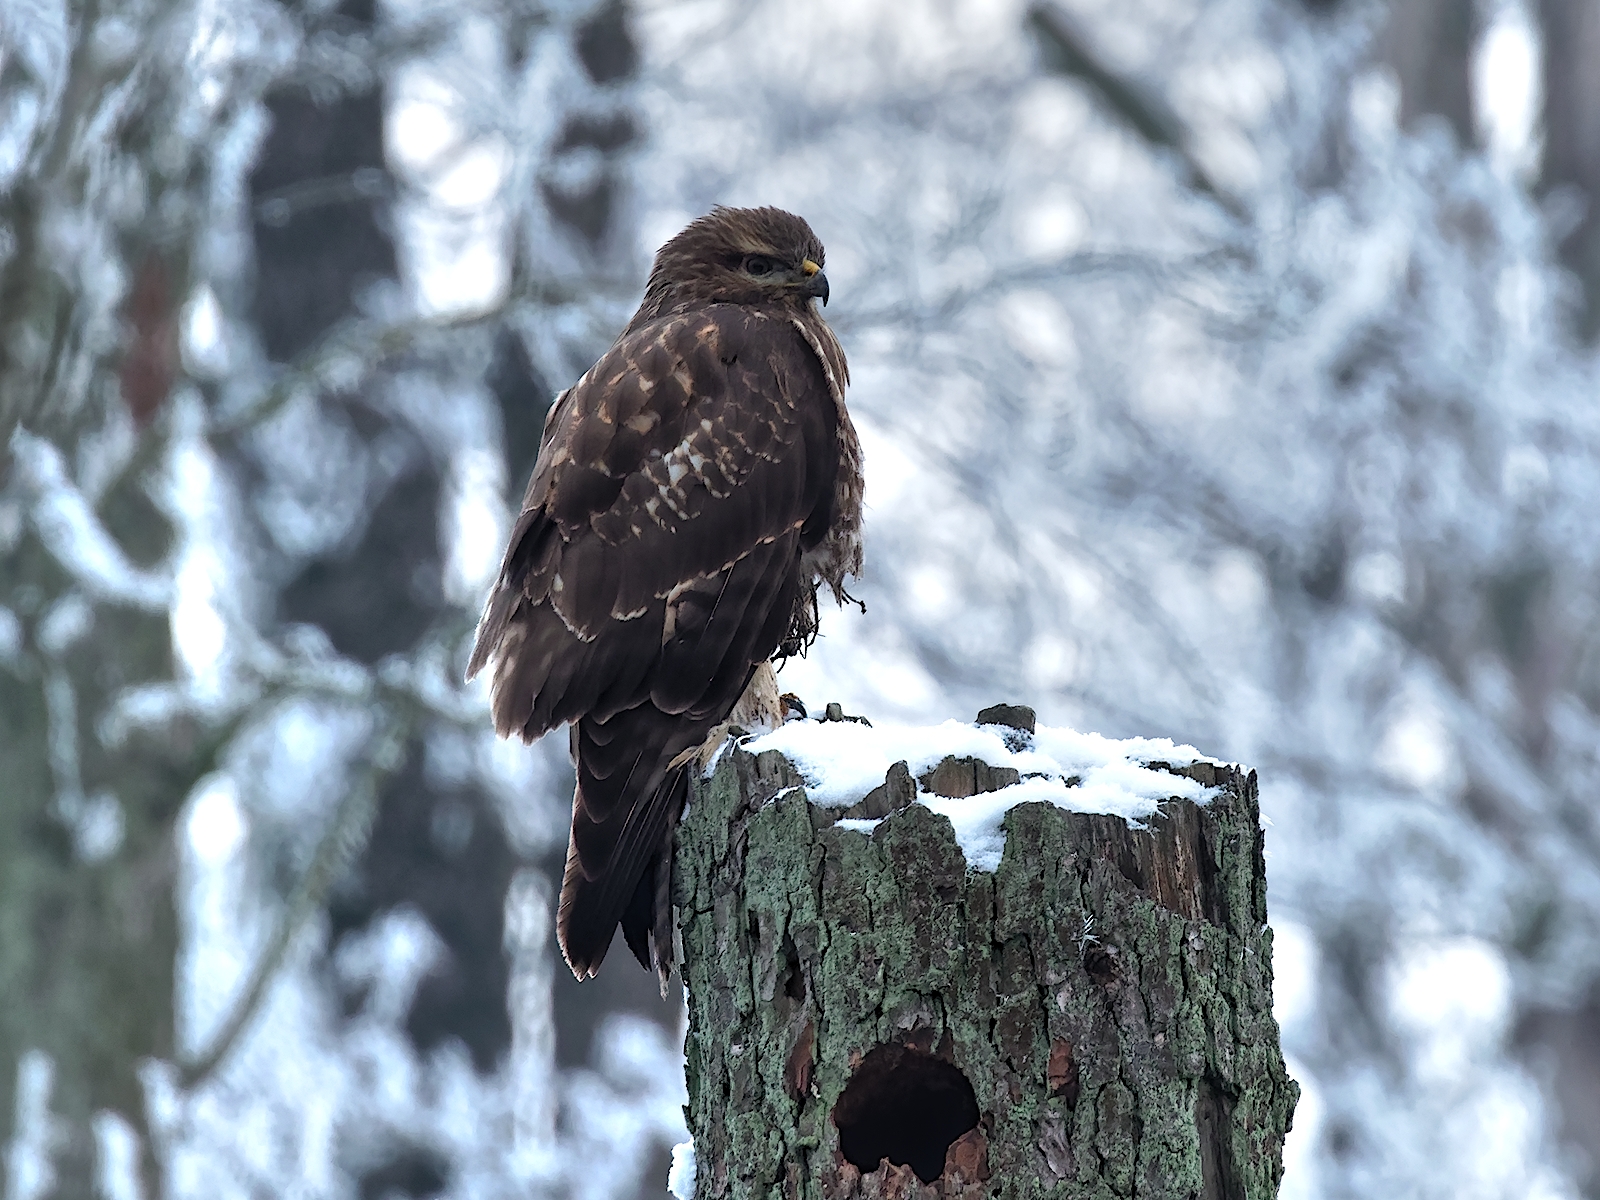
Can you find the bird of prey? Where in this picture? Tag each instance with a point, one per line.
(693, 492)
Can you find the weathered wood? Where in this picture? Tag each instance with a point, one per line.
(1092, 1020)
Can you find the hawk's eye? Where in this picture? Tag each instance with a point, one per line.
(758, 265)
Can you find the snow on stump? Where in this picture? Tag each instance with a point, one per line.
(977, 960)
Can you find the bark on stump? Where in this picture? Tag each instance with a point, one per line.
(869, 1018)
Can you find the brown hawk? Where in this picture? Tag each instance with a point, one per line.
(692, 493)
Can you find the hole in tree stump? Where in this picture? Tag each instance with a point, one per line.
(906, 1106)
(1101, 964)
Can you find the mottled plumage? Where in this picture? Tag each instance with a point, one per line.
(693, 491)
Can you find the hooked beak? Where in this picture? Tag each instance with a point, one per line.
(816, 283)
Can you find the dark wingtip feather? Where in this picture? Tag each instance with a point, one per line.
(636, 917)
(575, 930)
(662, 929)
(490, 628)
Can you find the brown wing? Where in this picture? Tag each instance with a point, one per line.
(655, 562)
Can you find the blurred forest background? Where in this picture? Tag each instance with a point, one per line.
(1226, 372)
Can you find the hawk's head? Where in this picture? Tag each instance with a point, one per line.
(739, 256)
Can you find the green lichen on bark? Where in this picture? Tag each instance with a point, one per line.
(1107, 992)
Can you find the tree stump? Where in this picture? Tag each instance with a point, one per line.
(870, 1017)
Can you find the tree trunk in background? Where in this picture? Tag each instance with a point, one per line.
(1572, 137)
(1429, 45)
(1563, 1046)
(321, 196)
(101, 216)
(1094, 1019)
(88, 935)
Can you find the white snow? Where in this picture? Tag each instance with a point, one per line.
(858, 824)
(841, 761)
(29, 1172)
(680, 1178)
(67, 525)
